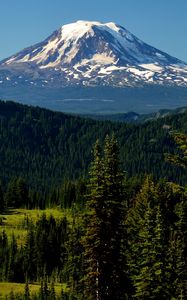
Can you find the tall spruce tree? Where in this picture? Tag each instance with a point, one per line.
(144, 280)
(181, 252)
(116, 284)
(27, 291)
(148, 244)
(179, 159)
(161, 274)
(2, 204)
(135, 223)
(92, 241)
(104, 238)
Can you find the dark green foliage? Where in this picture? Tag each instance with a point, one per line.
(73, 268)
(46, 148)
(27, 291)
(72, 192)
(17, 193)
(181, 251)
(152, 251)
(179, 159)
(4, 254)
(103, 242)
(132, 243)
(2, 203)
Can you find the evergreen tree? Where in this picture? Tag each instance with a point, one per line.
(12, 258)
(135, 223)
(4, 256)
(74, 259)
(22, 193)
(114, 239)
(27, 291)
(179, 159)
(144, 281)
(30, 256)
(103, 242)
(2, 204)
(93, 238)
(149, 243)
(11, 195)
(181, 252)
(161, 275)
(52, 294)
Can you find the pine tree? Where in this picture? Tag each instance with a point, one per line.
(74, 261)
(181, 252)
(27, 291)
(2, 204)
(4, 255)
(52, 294)
(45, 289)
(105, 276)
(135, 223)
(12, 257)
(93, 238)
(144, 280)
(179, 159)
(22, 192)
(116, 283)
(161, 275)
(30, 256)
(11, 195)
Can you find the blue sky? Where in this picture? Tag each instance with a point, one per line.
(160, 23)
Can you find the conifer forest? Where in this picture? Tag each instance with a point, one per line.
(92, 210)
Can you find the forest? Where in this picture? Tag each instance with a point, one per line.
(91, 209)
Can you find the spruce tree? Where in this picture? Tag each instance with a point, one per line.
(12, 257)
(148, 244)
(30, 255)
(161, 274)
(74, 260)
(92, 241)
(2, 204)
(115, 281)
(181, 252)
(135, 223)
(179, 159)
(104, 238)
(27, 291)
(144, 280)
(52, 294)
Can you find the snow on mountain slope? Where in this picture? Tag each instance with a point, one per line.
(91, 54)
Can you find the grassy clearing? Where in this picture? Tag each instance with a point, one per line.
(6, 287)
(15, 220)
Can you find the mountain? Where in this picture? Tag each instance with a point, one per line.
(89, 55)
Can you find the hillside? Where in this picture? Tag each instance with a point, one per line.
(46, 147)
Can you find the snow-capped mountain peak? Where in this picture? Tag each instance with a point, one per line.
(92, 53)
(64, 44)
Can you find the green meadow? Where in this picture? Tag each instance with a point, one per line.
(18, 288)
(16, 221)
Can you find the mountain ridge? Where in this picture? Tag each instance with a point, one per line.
(61, 145)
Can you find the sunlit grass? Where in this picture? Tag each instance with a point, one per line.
(15, 220)
(6, 287)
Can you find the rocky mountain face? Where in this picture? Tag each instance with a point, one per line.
(91, 54)
(91, 67)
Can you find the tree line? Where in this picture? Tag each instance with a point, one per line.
(122, 245)
(48, 148)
